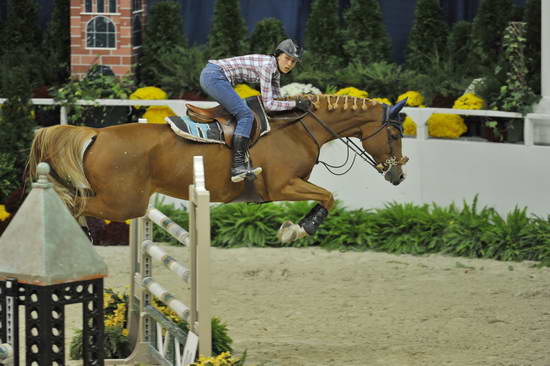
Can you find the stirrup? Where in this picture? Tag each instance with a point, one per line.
(249, 175)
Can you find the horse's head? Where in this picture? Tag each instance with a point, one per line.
(383, 142)
(377, 126)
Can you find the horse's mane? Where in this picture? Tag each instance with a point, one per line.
(331, 102)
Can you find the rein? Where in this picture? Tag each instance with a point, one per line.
(351, 145)
(346, 140)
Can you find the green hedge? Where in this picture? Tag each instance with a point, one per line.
(472, 231)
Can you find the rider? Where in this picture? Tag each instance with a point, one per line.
(219, 76)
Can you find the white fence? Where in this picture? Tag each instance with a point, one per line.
(441, 171)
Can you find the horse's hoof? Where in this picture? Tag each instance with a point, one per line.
(289, 232)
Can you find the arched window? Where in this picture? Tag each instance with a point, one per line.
(136, 31)
(100, 33)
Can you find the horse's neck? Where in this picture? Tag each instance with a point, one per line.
(339, 115)
(329, 126)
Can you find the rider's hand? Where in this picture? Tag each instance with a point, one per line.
(303, 104)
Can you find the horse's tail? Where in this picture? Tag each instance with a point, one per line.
(63, 147)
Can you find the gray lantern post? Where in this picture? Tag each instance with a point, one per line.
(47, 262)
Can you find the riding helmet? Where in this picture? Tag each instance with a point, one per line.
(291, 48)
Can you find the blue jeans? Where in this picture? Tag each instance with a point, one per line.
(215, 84)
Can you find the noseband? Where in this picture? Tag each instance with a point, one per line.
(392, 160)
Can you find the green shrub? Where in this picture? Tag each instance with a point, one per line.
(380, 79)
(57, 44)
(21, 28)
(94, 86)
(491, 19)
(221, 341)
(227, 36)
(16, 124)
(442, 85)
(515, 94)
(509, 237)
(267, 35)
(323, 21)
(345, 229)
(245, 225)
(465, 234)
(178, 69)
(9, 174)
(532, 16)
(309, 72)
(365, 37)
(471, 231)
(459, 46)
(163, 31)
(21, 45)
(538, 241)
(406, 228)
(116, 344)
(517, 13)
(428, 36)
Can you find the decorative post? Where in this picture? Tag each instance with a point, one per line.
(542, 129)
(545, 56)
(47, 262)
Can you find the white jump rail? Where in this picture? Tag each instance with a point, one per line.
(154, 337)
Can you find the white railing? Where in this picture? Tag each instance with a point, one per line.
(178, 106)
(419, 115)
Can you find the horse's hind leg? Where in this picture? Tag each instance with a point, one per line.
(301, 190)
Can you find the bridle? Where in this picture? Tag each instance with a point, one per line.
(381, 167)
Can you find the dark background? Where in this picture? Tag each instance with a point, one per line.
(197, 14)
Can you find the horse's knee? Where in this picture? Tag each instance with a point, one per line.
(329, 203)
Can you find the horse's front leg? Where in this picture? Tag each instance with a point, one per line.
(301, 190)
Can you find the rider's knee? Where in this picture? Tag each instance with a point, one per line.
(245, 114)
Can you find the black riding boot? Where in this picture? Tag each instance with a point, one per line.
(239, 169)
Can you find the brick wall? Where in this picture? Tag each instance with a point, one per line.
(121, 58)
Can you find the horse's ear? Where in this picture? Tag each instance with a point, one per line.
(395, 109)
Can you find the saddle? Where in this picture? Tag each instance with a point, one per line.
(260, 125)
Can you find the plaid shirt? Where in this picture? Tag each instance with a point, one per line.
(253, 69)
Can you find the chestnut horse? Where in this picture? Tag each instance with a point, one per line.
(111, 172)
